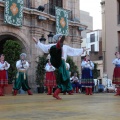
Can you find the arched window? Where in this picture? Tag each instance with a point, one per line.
(58, 3)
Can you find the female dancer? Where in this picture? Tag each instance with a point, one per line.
(4, 66)
(87, 76)
(116, 73)
(50, 80)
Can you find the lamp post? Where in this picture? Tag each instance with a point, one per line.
(50, 38)
(42, 39)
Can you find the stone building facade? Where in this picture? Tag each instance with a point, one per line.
(32, 26)
(111, 33)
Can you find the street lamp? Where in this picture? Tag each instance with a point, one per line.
(42, 39)
(50, 38)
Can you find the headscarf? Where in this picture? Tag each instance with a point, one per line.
(23, 54)
(56, 37)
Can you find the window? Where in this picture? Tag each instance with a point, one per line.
(118, 6)
(56, 2)
(92, 48)
(92, 38)
(100, 57)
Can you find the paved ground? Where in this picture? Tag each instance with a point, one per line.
(72, 107)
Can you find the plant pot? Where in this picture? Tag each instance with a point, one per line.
(40, 89)
(8, 89)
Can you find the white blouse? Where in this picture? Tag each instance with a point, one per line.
(3, 66)
(49, 68)
(87, 64)
(19, 65)
(66, 50)
(73, 79)
(116, 61)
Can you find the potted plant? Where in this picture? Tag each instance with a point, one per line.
(12, 50)
(40, 73)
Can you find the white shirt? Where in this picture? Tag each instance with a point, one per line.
(87, 64)
(96, 82)
(67, 50)
(3, 67)
(49, 68)
(116, 61)
(19, 65)
(74, 79)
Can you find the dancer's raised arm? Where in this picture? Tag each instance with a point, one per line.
(43, 47)
(69, 51)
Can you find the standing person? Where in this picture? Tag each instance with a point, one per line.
(4, 66)
(59, 53)
(21, 77)
(116, 73)
(87, 76)
(50, 80)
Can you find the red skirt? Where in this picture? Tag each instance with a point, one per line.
(116, 76)
(50, 80)
(3, 77)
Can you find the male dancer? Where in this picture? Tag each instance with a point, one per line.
(59, 53)
(21, 77)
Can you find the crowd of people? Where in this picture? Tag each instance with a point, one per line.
(58, 53)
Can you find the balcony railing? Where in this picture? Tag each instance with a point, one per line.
(50, 9)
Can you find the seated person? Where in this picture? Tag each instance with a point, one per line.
(101, 87)
(75, 82)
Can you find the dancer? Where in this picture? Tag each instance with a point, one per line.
(21, 77)
(87, 76)
(4, 66)
(59, 53)
(50, 80)
(116, 73)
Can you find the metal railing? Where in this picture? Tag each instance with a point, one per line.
(27, 3)
(50, 9)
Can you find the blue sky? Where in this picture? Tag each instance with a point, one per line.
(94, 8)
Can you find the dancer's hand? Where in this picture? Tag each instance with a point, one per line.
(35, 40)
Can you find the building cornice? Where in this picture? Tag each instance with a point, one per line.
(47, 16)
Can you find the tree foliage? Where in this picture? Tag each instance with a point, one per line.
(12, 50)
(40, 71)
(95, 71)
(73, 67)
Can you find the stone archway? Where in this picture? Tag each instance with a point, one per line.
(12, 36)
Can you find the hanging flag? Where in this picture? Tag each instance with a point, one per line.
(61, 21)
(13, 12)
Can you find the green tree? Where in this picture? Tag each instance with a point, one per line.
(12, 50)
(95, 71)
(40, 71)
(73, 67)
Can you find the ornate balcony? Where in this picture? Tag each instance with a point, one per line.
(50, 9)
